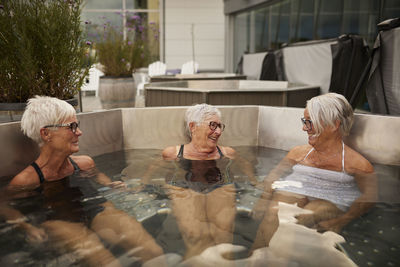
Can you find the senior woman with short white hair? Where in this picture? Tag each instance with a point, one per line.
(62, 180)
(328, 177)
(201, 189)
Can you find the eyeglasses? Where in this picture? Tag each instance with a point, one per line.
(307, 123)
(72, 126)
(213, 126)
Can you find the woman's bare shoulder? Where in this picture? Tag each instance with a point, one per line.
(170, 153)
(84, 162)
(356, 163)
(298, 153)
(228, 151)
(27, 177)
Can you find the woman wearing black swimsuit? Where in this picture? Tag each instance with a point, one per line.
(52, 123)
(203, 197)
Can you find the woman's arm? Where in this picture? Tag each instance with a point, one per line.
(15, 217)
(265, 203)
(86, 163)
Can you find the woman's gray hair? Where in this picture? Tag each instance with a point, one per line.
(326, 109)
(41, 111)
(199, 113)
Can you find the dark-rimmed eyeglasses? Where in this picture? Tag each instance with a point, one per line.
(72, 126)
(307, 123)
(214, 125)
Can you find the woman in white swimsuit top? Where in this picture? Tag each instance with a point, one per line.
(327, 177)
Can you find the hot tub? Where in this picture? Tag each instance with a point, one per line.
(124, 139)
(229, 92)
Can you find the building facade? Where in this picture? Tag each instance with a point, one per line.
(188, 29)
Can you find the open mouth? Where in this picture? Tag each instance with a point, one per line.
(214, 139)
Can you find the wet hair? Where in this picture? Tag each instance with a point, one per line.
(199, 113)
(326, 109)
(41, 111)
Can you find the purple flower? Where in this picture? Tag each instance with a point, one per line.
(141, 28)
(88, 22)
(152, 23)
(129, 43)
(88, 42)
(135, 17)
(1, 7)
(122, 59)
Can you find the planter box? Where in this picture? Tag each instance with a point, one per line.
(10, 112)
(117, 92)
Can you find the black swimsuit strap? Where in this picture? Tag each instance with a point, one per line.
(180, 153)
(220, 152)
(76, 167)
(38, 171)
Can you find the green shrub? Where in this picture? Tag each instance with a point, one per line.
(42, 49)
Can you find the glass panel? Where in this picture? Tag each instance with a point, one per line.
(103, 4)
(330, 19)
(391, 9)
(144, 29)
(262, 30)
(306, 24)
(328, 6)
(95, 21)
(307, 6)
(241, 36)
(328, 26)
(306, 21)
(284, 23)
(274, 16)
(142, 4)
(360, 17)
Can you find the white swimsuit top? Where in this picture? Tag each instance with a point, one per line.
(337, 187)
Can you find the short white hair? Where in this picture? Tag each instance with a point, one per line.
(41, 111)
(326, 109)
(199, 113)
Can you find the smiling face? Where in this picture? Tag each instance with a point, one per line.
(314, 139)
(63, 139)
(203, 136)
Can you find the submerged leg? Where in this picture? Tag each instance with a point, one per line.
(117, 227)
(79, 239)
(221, 212)
(268, 226)
(189, 209)
(323, 210)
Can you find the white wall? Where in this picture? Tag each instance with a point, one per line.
(208, 19)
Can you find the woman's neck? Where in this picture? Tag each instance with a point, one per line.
(200, 151)
(331, 146)
(52, 162)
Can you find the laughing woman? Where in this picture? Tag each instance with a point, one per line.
(327, 177)
(201, 190)
(62, 182)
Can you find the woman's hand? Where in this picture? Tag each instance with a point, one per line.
(34, 234)
(117, 185)
(334, 225)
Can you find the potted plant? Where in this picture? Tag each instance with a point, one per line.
(120, 55)
(43, 50)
